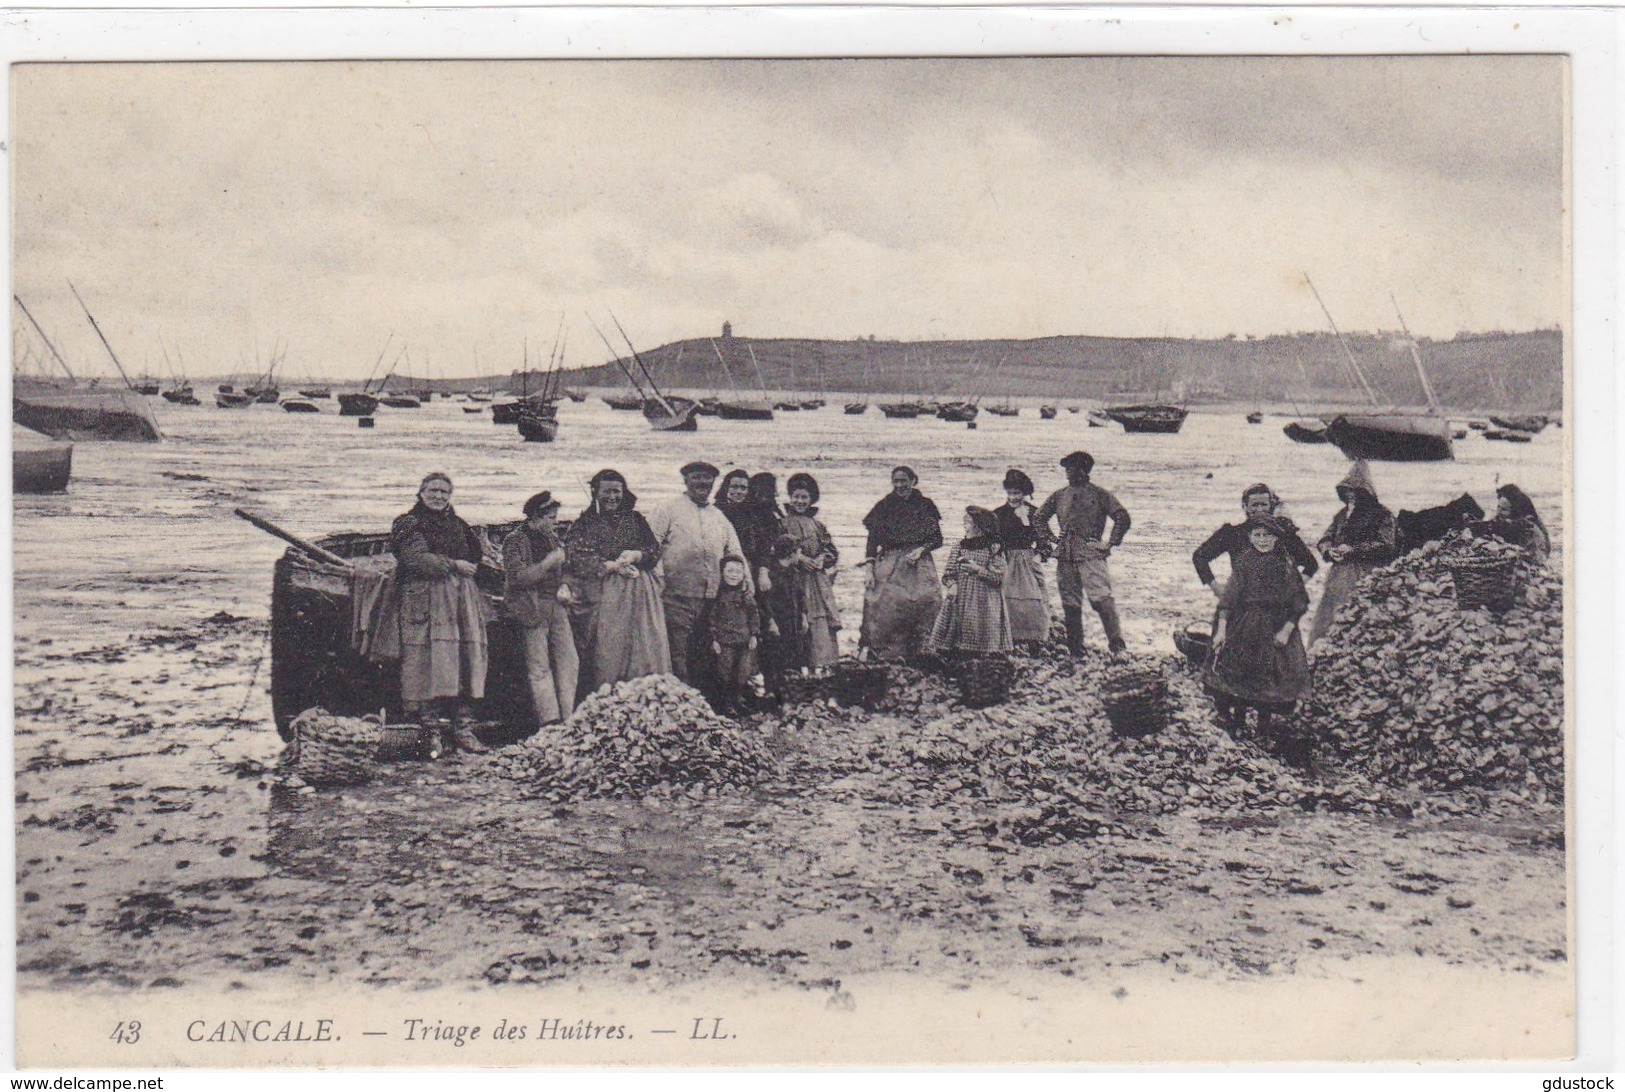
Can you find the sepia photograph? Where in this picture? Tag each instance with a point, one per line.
(836, 560)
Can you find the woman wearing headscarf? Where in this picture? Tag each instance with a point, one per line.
(535, 597)
(1360, 538)
(1258, 656)
(1231, 538)
(1026, 544)
(812, 574)
(751, 505)
(610, 552)
(443, 640)
(1517, 522)
(901, 598)
(973, 618)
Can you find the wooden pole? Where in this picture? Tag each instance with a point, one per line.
(286, 536)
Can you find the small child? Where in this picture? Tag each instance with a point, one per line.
(734, 625)
(974, 618)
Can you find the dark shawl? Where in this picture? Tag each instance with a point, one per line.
(903, 524)
(426, 542)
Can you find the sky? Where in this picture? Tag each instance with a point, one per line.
(462, 207)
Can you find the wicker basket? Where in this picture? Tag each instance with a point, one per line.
(1484, 582)
(329, 750)
(403, 742)
(1195, 641)
(984, 680)
(1136, 701)
(861, 684)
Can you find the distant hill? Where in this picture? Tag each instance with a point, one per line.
(1512, 371)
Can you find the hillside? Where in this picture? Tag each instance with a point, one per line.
(1516, 371)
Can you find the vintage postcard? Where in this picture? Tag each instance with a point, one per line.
(821, 560)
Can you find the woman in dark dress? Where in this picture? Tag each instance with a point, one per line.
(443, 640)
(1231, 539)
(1026, 544)
(1258, 657)
(615, 612)
(902, 596)
(1517, 522)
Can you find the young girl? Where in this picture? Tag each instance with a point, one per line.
(1027, 543)
(1258, 658)
(973, 617)
(815, 560)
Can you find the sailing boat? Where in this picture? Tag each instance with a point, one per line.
(180, 391)
(854, 409)
(815, 403)
(1393, 436)
(1154, 417)
(538, 419)
(364, 403)
(77, 411)
(738, 409)
(904, 409)
(664, 413)
(507, 413)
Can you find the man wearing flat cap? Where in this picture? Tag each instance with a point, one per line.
(1081, 510)
(536, 597)
(694, 537)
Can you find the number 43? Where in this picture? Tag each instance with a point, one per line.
(127, 1031)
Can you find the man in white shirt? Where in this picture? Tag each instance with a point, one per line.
(694, 538)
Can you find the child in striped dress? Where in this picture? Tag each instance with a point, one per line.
(974, 618)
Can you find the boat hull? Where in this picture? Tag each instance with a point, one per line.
(1508, 435)
(745, 411)
(537, 429)
(508, 413)
(85, 416)
(400, 401)
(854, 409)
(1160, 419)
(39, 464)
(1307, 432)
(1047, 413)
(624, 403)
(312, 662)
(1531, 424)
(357, 405)
(901, 411)
(299, 405)
(682, 418)
(1395, 438)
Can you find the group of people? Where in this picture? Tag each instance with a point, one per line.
(1259, 658)
(731, 589)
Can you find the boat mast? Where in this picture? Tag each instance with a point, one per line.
(726, 372)
(760, 382)
(642, 367)
(1416, 358)
(619, 362)
(40, 330)
(1347, 352)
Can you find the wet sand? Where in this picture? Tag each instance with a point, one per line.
(156, 849)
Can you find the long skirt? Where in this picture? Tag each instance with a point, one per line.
(901, 605)
(820, 619)
(1339, 589)
(627, 634)
(1024, 597)
(973, 619)
(443, 643)
(1252, 668)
